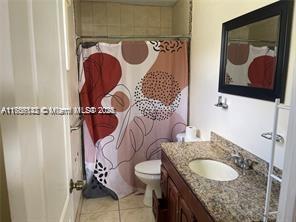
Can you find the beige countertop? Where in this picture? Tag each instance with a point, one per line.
(239, 200)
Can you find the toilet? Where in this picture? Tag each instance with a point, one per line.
(149, 173)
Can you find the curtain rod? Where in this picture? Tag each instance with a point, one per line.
(128, 37)
(136, 37)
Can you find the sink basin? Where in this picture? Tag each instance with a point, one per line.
(213, 170)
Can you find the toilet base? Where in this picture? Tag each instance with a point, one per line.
(148, 194)
(148, 172)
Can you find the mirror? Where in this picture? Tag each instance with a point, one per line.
(251, 54)
(254, 53)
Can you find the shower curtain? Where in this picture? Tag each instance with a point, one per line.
(146, 83)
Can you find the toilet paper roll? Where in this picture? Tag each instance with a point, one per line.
(190, 132)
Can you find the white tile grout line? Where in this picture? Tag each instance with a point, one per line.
(119, 210)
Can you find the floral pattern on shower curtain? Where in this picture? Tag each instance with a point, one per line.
(147, 84)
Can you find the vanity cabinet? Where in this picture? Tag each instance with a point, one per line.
(178, 202)
(184, 213)
(173, 201)
(164, 182)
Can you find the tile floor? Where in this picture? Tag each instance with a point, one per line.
(128, 209)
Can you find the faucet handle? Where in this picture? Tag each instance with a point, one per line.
(233, 156)
(236, 154)
(250, 163)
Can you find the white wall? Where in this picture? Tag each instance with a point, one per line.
(246, 118)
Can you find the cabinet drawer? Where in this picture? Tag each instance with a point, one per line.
(159, 208)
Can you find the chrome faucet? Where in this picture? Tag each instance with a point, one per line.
(241, 162)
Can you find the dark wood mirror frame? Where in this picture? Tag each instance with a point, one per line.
(284, 9)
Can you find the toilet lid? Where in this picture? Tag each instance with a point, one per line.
(149, 167)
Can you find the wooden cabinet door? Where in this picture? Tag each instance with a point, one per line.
(173, 201)
(164, 182)
(184, 212)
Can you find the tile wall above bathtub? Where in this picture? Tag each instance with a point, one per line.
(104, 18)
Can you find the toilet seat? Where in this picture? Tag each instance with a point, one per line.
(151, 167)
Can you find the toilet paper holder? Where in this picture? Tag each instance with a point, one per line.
(222, 103)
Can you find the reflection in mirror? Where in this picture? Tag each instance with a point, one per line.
(251, 54)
